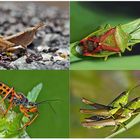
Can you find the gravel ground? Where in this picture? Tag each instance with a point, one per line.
(50, 48)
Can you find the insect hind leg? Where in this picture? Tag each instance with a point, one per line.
(10, 106)
(116, 128)
(30, 122)
(9, 92)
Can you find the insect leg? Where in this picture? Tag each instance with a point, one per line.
(137, 111)
(100, 112)
(96, 39)
(95, 105)
(116, 128)
(24, 111)
(123, 125)
(101, 123)
(129, 48)
(30, 122)
(109, 48)
(108, 33)
(10, 106)
(6, 95)
(106, 57)
(15, 94)
(118, 125)
(119, 54)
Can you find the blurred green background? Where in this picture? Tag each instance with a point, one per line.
(55, 86)
(87, 17)
(101, 87)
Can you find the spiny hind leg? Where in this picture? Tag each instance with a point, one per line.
(10, 106)
(29, 122)
(107, 34)
(123, 125)
(9, 92)
(116, 128)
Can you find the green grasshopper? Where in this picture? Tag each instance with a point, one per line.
(109, 110)
(108, 41)
(121, 116)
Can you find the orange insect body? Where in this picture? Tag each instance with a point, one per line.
(18, 99)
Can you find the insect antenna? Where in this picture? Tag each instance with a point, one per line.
(47, 101)
(52, 107)
(138, 85)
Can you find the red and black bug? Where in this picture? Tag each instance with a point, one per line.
(19, 99)
(93, 45)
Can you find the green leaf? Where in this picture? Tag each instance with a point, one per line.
(33, 94)
(13, 127)
(113, 63)
(135, 121)
(10, 124)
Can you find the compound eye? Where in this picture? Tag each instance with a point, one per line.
(31, 104)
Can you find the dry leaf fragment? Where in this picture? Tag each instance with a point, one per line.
(63, 55)
(24, 38)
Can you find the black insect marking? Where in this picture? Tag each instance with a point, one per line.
(1, 90)
(8, 89)
(4, 87)
(31, 104)
(9, 97)
(0, 84)
(3, 93)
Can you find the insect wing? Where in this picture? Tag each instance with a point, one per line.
(121, 38)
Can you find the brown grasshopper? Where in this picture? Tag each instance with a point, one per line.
(20, 40)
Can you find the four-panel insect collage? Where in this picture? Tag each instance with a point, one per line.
(69, 69)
